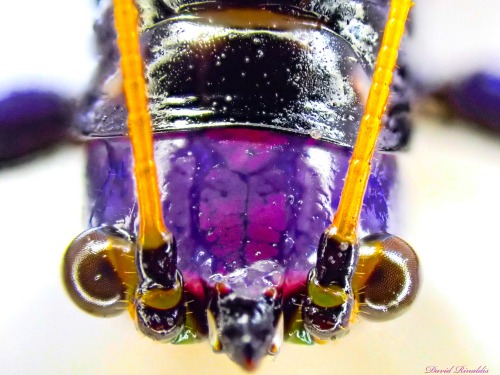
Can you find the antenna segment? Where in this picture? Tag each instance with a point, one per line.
(346, 218)
(152, 228)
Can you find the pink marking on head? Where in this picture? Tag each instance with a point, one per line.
(255, 251)
(262, 233)
(270, 211)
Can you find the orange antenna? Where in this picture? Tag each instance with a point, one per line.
(152, 228)
(346, 218)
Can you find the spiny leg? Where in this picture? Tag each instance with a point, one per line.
(328, 308)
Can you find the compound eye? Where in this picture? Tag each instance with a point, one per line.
(387, 278)
(99, 270)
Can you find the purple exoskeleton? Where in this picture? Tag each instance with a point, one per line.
(255, 109)
(477, 98)
(31, 121)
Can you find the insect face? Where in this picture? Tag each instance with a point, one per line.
(254, 109)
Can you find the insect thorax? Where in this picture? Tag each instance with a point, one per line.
(284, 66)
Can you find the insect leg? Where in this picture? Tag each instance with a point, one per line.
(31, 121)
